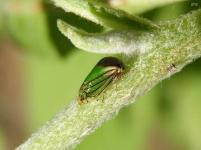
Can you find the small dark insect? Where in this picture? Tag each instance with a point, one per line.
(171, 68)
(105, 72)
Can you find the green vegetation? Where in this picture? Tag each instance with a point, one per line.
(170, 112)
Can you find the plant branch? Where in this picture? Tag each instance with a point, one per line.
(174, 45)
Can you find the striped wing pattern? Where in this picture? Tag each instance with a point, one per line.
(94, 87)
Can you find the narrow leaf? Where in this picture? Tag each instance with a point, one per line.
(116, 41)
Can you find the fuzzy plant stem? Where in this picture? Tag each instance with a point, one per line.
(174, 45)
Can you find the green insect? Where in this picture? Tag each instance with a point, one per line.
(105, 72)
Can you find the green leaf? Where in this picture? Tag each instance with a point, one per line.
(104, 15)
(115, 41)
(173, 34)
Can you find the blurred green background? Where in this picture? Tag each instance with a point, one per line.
(41, 72)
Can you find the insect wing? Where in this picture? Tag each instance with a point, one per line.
(97, 73)
(97, 85)
(106, 70)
